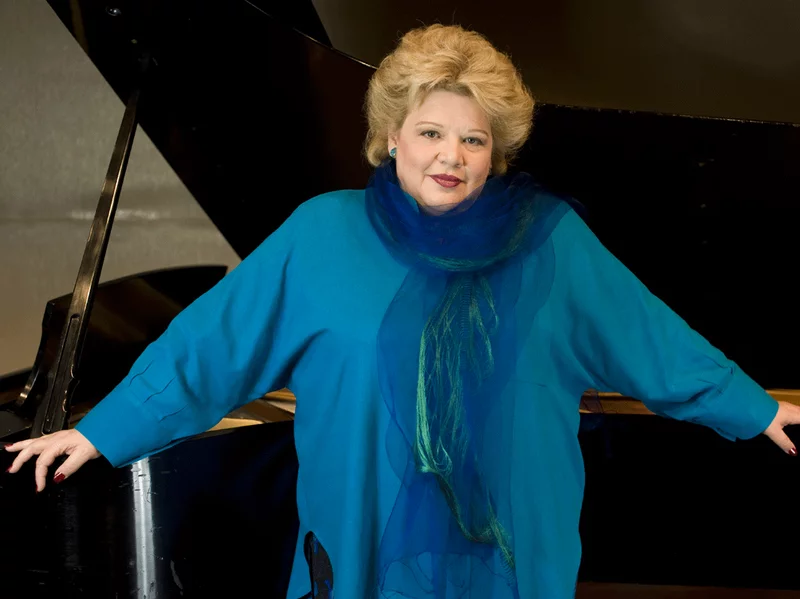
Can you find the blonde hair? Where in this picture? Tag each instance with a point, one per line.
(449, 58)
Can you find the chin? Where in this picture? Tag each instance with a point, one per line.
(441, 204)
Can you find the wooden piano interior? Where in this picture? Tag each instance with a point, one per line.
(280, 405)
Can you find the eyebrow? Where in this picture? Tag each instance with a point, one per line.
(442, 127)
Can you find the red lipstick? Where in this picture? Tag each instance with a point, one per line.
(446, 180)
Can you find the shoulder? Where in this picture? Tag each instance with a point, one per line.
(582, 258)
(556, 222)
(329, 209)
(563, 242)
(312, 223)
(567, 228)
(329, 225)
(570, 229)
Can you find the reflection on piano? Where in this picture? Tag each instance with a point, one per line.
(702, 210)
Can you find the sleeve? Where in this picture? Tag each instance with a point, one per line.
(230, 346)
(627, 340)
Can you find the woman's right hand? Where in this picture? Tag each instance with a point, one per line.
(48, 448)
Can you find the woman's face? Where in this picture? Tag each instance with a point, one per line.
(444, 150)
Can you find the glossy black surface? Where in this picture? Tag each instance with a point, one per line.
(214, 516)
(672, 503)
(297, 14)
(127, 315)
(704, 211)
(254, 117)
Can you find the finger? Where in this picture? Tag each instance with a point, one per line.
(71, 465)
(785, 443)
(24, 455)
(46, 459)
(19, 445)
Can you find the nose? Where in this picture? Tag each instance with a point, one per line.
(450, 154)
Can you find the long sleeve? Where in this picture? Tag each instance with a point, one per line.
(230, 346)
(627, 340)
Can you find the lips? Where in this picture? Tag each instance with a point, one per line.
(446, 180)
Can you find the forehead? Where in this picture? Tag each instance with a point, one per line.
(450, 110)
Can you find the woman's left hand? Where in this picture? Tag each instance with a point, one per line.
(787, 414)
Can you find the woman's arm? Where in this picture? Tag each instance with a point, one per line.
(230, 346)
(627, 340)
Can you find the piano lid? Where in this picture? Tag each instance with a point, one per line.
(256, 117)
(253, 116)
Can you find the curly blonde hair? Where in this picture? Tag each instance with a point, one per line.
(449, 58)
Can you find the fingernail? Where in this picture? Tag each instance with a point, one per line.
(9, 469)
(793, 451)
(59, 477)
(7, 445)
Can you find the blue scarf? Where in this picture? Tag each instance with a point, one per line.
(447, 351)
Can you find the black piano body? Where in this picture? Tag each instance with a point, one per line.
(255, 117)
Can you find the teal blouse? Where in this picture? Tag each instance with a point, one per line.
(303, 310)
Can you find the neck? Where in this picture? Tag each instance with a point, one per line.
(430, 210)
(436, 210)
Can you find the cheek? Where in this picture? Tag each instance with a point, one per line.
(413, 169)
(488, 160)
(412, 153)
(483, 168)
(479, 176)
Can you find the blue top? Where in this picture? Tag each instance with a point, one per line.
(303, 311)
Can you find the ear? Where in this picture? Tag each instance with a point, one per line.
(392, 140)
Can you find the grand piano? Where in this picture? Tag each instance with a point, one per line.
(702, 210)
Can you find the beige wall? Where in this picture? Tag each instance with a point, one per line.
(58, 124)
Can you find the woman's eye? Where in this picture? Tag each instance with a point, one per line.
(472, 141)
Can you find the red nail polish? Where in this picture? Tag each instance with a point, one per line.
(8, 469)
(59, 477)
(7, 445)
(793, 451)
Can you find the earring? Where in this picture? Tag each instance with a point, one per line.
(393, 152)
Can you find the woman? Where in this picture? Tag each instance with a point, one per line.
(438, 329)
